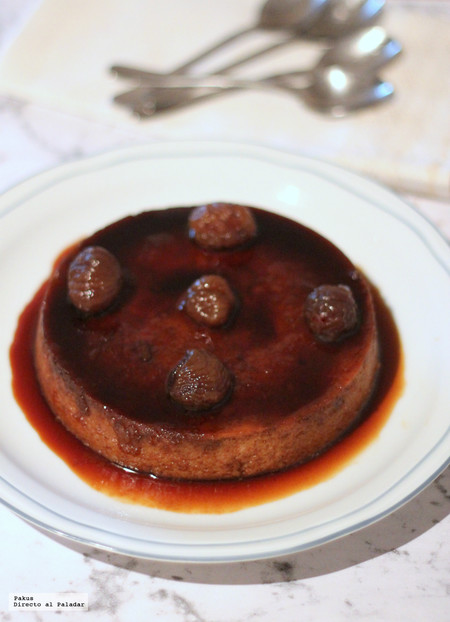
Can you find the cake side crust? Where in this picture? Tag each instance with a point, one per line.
(296, 438)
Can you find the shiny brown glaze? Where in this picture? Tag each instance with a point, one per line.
(105, 376)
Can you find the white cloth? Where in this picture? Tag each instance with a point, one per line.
(62, 56)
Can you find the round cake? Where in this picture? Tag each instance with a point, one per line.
(209, 342)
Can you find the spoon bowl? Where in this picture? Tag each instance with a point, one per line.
(337, 92)
(342, 17)
(291, 14)
(368, 49)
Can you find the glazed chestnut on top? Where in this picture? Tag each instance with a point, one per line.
(209, 301)
(199, 381)
(94, 279)
(218, 226)
(331, 312)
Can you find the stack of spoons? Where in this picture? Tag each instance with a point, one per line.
(344, 79)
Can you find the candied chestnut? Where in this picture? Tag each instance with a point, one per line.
(209, 300)
(331, 312)
(94, 279)
(199, 381)
(221, 225)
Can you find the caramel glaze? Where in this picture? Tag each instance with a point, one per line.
(146, 330)
(222, 496)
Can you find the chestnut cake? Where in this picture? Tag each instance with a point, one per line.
(209, 342)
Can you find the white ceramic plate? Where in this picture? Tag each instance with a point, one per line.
(395, 246)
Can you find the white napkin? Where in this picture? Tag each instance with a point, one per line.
(61, 60)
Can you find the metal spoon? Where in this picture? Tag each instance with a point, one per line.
(341, 17)
(337, 18)
(291, 15)
(360, 55)
(332, 90)
(369, 49)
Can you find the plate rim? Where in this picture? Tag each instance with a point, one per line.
(431, 237)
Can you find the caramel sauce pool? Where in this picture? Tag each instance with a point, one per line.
(200, 497)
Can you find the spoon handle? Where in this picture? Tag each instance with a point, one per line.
(173, 92)
(147, 102)
(214, 48)
(161, 93)
(294, 17)
(294, 79)
(126, 71)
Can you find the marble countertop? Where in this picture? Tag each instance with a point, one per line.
(397, 569)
